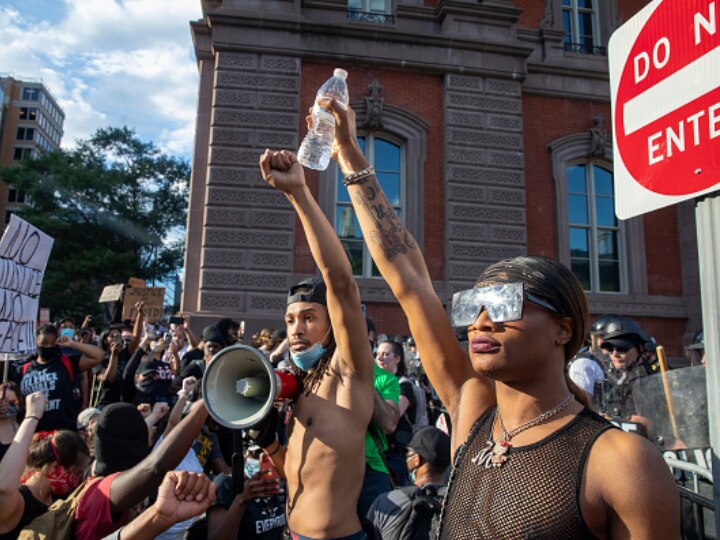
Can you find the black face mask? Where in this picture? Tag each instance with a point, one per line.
(48, 353)
(145, 385)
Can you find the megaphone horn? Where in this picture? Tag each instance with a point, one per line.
(240, 386)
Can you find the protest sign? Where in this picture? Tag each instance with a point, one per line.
(24, 251)
(137, 282)
(112, 293)
(152, 297)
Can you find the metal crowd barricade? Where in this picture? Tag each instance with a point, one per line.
(690, 497)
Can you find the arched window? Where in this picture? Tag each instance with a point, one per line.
(395, 145)
(596, 240)
(606, 254)
(387, 156)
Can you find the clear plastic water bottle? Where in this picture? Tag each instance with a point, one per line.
(314, 152)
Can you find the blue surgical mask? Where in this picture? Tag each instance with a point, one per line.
(252, 466)
(308, 359)
(11, 411)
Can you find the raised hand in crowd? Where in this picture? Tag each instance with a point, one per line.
(144, 409)
(181, 496)
(137, 327)
(158, 411)
(86, 321)
(188, 387)
(90, 354)
(192, 339)
(12, 503)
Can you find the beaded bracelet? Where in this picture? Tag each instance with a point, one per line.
(355, 177)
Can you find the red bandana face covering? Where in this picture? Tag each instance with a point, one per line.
(61, 480)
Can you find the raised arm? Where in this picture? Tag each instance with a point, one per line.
(91, 355)
(401, 263)
(282, 171)
(137, 327)
(12, 465)
(110, 373)
(131, 487)
(191, 337)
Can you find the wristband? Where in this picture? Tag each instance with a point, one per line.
(34, 417)
(357, 176)
(274, 451)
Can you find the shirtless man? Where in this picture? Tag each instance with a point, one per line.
(323, 463)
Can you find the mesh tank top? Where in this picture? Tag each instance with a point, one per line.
(534, 495)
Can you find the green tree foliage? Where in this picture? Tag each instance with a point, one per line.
(111, 204)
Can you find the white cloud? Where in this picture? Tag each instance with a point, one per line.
(111, 63)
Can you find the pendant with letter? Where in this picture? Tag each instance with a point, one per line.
(499, 451)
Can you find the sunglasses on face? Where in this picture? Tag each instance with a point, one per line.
(502, 302)
(612, 348)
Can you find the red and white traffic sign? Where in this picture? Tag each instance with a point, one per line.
(665, 89)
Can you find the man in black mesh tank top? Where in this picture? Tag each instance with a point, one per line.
(530, 460)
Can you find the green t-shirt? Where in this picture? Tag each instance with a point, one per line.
(388, 386)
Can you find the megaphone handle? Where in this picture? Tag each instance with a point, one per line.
(238, 463)
(238, 472)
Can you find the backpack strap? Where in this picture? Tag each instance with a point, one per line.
(65, 359)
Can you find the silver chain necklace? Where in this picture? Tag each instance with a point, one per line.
(495, 453)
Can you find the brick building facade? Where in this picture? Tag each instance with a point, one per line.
(488, 118)
(31, 121)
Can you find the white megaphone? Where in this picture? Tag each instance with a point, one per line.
(240, 386)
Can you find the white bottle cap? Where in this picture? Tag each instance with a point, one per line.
(340, 73)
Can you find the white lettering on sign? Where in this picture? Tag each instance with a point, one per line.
(709, 25)
(24, 252)
(660, 58)
(671, 94)
(675, 136)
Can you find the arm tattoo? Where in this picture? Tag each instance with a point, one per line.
(390, 233)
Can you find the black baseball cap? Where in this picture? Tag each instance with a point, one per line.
(308, 290)
(432, 445)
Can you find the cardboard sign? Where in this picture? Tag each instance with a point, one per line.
(137, 282)
(112, 293)
(665, 90)
(24, 251)
(153, 298)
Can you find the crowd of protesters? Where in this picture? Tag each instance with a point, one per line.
(482, 434)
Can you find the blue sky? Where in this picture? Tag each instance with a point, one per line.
(109, 63)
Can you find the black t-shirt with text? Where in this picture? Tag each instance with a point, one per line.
(264, 519)
(56, 382)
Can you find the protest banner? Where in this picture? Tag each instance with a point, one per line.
(152, 297)
(24, 252)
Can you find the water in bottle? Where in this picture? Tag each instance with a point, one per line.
(314, 152)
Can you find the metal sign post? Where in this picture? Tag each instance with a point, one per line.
(707, 217)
